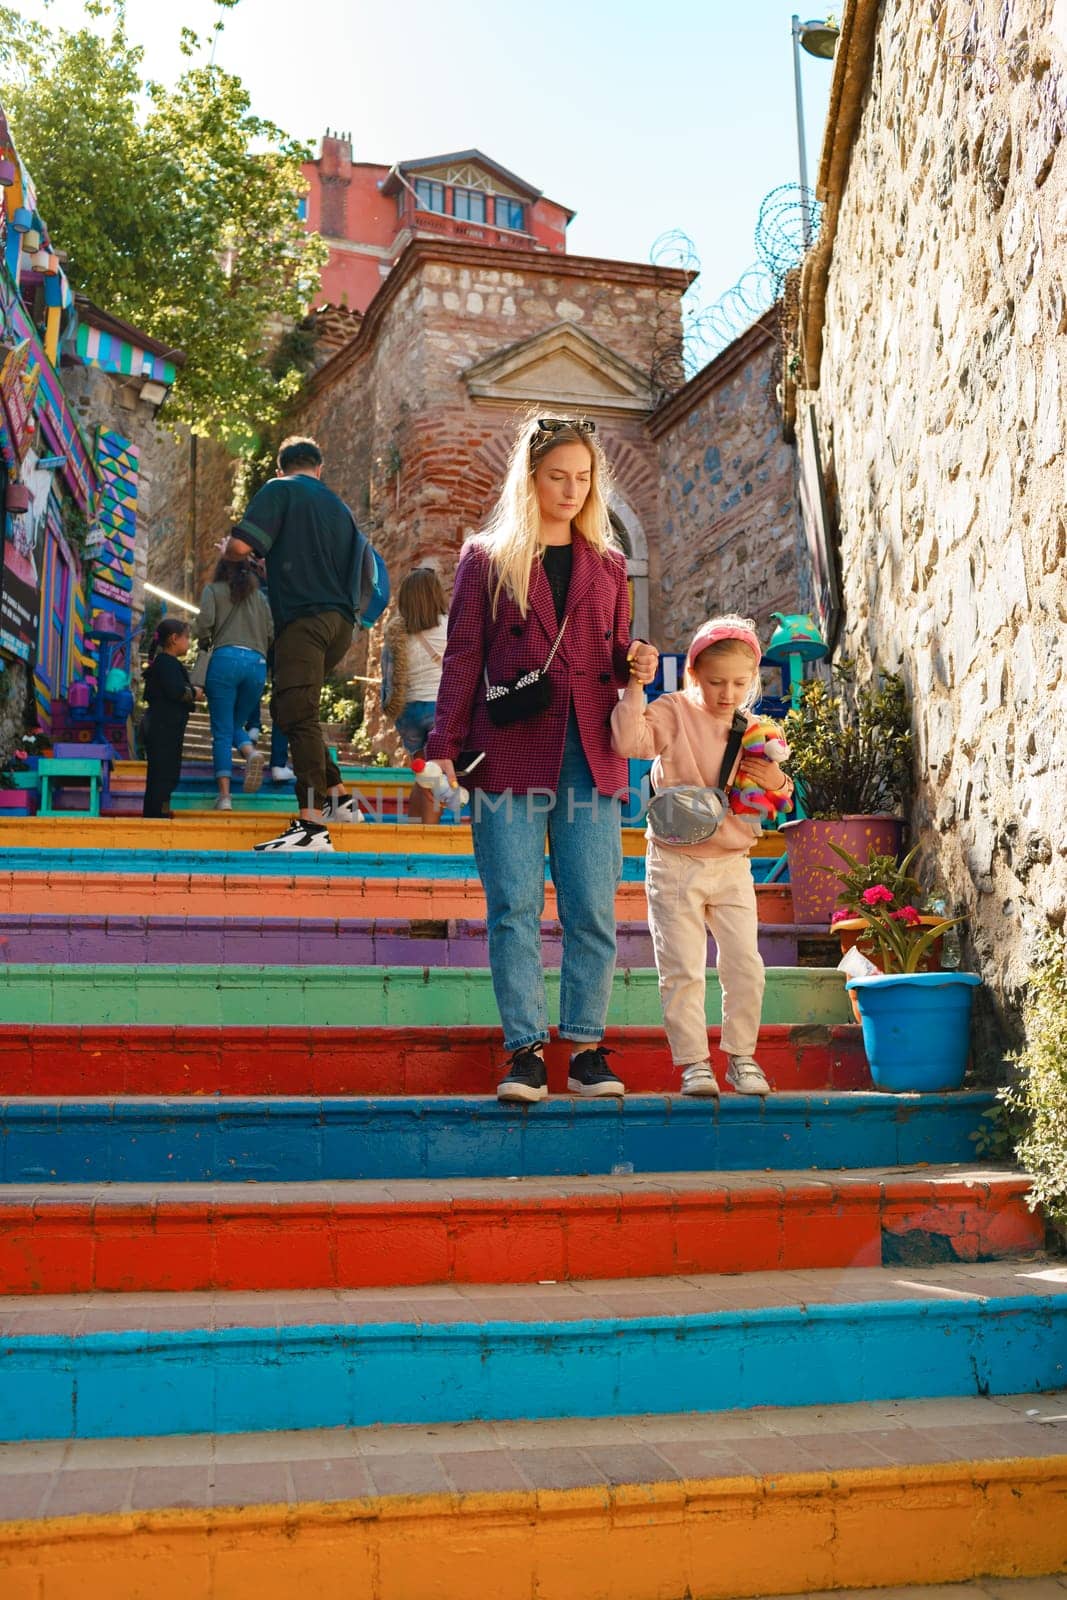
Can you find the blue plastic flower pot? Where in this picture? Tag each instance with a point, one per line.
(916, 1028)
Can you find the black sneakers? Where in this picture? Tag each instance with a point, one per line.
(525, 1081)
(591, 1076)
(299, 835)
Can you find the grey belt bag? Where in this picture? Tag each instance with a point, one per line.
(689, 814)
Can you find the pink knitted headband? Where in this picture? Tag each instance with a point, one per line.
(713, 633)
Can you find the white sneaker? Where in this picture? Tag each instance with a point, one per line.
(699, 1081)
(344, 809)
(223, 803)
(283, 774)
(253, 772)
(745, 1076)
(299, 835)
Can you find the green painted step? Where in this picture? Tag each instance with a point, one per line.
(357, 996)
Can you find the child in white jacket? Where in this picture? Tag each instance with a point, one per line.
(692, 888)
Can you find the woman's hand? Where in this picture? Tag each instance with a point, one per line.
(644, 661)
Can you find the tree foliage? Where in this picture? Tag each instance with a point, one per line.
(176, 206)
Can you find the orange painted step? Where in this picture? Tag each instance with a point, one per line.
(80, 1238)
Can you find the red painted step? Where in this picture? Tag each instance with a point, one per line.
(45, 1059)
(74, 1239)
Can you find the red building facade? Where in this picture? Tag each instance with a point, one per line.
(368, 214)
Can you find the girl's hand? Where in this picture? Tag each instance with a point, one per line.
(644, 661)
(761, 771)
(449, 770)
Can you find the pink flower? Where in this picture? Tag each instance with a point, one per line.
(909, 915)
(872, 897)
(840, 915)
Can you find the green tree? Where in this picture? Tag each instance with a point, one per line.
(176, 207)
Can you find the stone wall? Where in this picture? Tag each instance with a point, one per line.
(729, 526)
(941, 404)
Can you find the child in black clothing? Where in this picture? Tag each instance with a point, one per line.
(170, 697)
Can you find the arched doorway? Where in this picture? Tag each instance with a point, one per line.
(631, 537)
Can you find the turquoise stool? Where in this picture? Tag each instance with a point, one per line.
(62, 767)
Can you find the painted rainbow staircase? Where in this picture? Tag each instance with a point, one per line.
(293, 1306)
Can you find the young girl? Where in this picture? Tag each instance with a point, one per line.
(411, 670)
(692, 888)
(544, 587)
(170, 697)
(234, 618)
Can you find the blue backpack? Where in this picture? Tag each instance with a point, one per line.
(375, 588)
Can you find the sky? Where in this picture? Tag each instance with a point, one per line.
(642, 117)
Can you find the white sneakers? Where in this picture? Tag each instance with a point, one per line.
(343, 809)
(742, 1074)
(253, 771)
(282, 775)
(299, 835)
(223, 803)
(699, 1081)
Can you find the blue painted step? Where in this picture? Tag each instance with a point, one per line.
(340, 864)
(357, 1373)
(217, 1140)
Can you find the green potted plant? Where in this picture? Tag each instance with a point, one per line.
(850, 757)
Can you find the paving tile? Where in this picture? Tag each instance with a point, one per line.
(556, 1468)
(566, 1433)
(629, 1463)
(248, 1483)
(409, 1439)
(331, 1479)
(24, 1494)
(472, 1471)
(79, 1492)
(171, 1486)
(37, 1455)
(172, 1450)
(407, 1474)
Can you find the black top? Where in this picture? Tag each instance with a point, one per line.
(317, 559)
(169, 693)
(558, 560)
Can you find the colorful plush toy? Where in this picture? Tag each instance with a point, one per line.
(748, 798)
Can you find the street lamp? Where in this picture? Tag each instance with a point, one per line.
(818, 38)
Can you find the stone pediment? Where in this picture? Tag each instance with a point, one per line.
(564, 366)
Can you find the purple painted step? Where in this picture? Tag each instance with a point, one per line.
(304, 941)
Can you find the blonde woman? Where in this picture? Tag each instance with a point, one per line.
(538, 647)
(411, 670)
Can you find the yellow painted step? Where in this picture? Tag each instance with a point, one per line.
(238, 830)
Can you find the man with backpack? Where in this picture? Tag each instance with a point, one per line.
(323, 577)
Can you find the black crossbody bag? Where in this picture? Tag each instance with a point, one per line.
(525, 696)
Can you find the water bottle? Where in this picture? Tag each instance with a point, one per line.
(428, 775)
(951, 954)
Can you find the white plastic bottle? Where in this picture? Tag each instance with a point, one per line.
(428, 775)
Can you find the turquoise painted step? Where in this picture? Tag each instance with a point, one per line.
(249, 864)
(365, 1369)
(356, 997)
(216, 1140)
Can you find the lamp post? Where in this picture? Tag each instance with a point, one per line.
(818, 38)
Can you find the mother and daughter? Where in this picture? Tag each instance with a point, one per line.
(537, 650)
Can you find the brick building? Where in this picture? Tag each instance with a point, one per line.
(453, 327)
(369, 213)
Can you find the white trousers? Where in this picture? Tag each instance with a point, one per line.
(686, 897)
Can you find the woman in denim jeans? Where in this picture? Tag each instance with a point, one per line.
(236, 624)
(545, 580)
(411, 670)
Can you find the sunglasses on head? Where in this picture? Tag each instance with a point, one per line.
(558, 424)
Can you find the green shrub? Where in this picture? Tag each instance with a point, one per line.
(1039, 1097)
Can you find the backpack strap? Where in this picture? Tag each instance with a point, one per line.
(738, 729)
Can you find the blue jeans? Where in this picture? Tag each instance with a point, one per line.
(414, 724)
(585, 857)
(234, 687)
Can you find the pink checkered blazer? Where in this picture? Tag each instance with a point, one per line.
(588, 669)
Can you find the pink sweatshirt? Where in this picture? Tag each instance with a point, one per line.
(686, 745)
